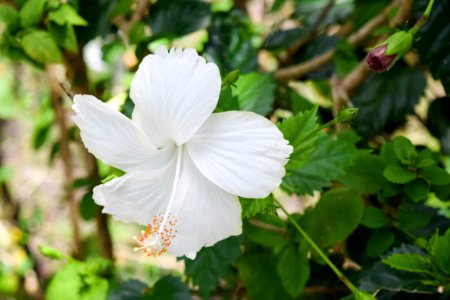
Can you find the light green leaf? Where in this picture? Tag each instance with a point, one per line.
(398, 174)
(336, 215)
(212, 263)
(327, 162)
(302, 132)
(50, 252)
(31, 12)
(404, 150)
(252, 207)
(255, 92)
(40, 46)
(66, 14)
(440, 252)
(8, 15)
(407, 262)
(64, 36)
(293, 268)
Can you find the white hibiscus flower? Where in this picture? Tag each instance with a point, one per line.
(185, 165)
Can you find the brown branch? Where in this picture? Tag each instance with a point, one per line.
(142, 9)
(299, 70)
(66, 157)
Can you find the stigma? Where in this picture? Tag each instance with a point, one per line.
(157, 236)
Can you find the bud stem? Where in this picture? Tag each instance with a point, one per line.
(316, 248)
(423, 19)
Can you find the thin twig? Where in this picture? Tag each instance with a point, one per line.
(142, 9)
(299, 70)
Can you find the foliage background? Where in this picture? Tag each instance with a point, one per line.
(374, 195)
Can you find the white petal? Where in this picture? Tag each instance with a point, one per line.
(115, 139)
(174, 94)
(241, 152)
(205, 213)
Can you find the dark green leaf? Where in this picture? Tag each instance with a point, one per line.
(170, 288)
(404, 149)
(326, 163)
(131, 289)
(212, 263)
(407, 262)
(374, 217)
(64, 36)
(8, 15)
(412, 217)
(259, 276)
(435, 175)
(302, 132)
(281, 39)
(345, 58)
(293, 268)
(438, 120)
(268, 238)
(179, 17)
(384, 99)
(417, 190)
(254, 92)
(66, 14)
(31, 13)
(380, 240)
(252, 207)
(440, 252)
(88, 208)
(40, 46)
(227, 101)
(336, 215)
(398, 174)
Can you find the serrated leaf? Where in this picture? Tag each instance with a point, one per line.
(293, 268)
(252, 207)
(259, 276)
(440, 252)
(302, 132)
(407, 262)
(398, 174)
(66, 14)
(8, 15)
(31, 12)
(40, 46)
(435, 175)
(380, 240)
(417, 190)
(169, 287)
(326, 163)
(212, 263)
(342, 208)
(385, 99)
(374, 217)
(254, 92)
(404, 149)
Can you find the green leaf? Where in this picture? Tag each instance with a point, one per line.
(169, 287)
(374, 217)
(131, 289)
(255, 92)
(259, 276)
(281, 39)
(50, 252)
(427, 158)
(438, 120)
(179, 17)
(212, 263)
(40, 46)
(64, 36)
(252, 207)
(407, 262)
(342, 208)
(268, 238)
(366, 174)
(440, 252)
(66, 15)
(88, 208)
(380, 240)
(326, 163)
(435, 175)
(344, 59)
(443, 207)
(412, 217)
(384, 99)
(398, 174)
(301, 131)
(293, 268)
(8, 15)
(31, 12)
(417, 190)
(404, 150)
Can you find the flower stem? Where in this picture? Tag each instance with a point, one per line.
(423, 19)
(316, 248)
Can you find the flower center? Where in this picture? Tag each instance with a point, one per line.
(158, 235)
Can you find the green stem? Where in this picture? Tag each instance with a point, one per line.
(316, 248)
(423, 19)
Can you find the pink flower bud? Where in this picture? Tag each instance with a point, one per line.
(378, 60)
